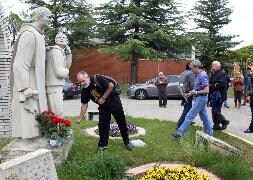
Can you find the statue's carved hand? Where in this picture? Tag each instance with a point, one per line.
(27, 93)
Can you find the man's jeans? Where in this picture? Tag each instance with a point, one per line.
(187, 108)
(198, 107)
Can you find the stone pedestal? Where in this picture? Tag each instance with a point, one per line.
(36, 165)
(18, 147)
(210, 142)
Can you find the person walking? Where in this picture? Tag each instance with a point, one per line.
(247, 77)
(161, 84)
(199, 93)
(109, 104)
(218, 87)
(238, 87)
(249, 99)
(186, 85)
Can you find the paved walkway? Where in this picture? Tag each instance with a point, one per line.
(239, 118)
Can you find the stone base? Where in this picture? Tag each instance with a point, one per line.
(18, 147)
(210, 142)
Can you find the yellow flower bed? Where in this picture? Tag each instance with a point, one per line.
(164, 173)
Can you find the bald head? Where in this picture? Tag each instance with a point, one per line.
(160, 74)
(216, 66)
(83, 79)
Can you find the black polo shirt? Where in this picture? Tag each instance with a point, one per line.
(94, 93)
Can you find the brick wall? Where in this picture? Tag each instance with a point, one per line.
(94, 62)
(5, 62)
(148, 69)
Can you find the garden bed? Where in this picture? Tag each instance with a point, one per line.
(141, 170)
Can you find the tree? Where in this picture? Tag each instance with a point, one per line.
(242, 56)
(15, 23)
(72, 16)
(212, 15)
(142, 29)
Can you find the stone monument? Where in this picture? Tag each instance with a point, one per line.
(5, 64)
(28, 88)
(28, 75)
(35, 165)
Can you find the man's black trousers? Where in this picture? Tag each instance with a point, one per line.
(104, 124)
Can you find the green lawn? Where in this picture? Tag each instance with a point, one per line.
(124, 88)
(4, 142)
(160, 148)
(230, 91)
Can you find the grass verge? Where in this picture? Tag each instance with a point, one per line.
(160, 148)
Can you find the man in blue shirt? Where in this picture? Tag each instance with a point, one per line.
(199, 93)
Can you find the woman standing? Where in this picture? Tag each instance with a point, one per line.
(238, 87)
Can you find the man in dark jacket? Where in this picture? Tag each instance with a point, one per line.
(218, 89)
(161, 84)
(249, 98)
(109, 103)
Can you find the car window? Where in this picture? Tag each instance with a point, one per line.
(173, 79)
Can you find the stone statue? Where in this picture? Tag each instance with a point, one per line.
(28, 75)
(58, 62)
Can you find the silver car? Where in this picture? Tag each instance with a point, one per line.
(148, 89)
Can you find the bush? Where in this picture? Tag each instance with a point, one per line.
(106, 166)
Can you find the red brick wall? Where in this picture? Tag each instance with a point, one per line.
(148, 69)
(94, 62)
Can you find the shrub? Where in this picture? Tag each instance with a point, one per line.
(106, 166)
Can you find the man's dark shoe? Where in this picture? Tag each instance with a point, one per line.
(129, 146)
(217, 127)
(193, 123)
(164, 106)
(248, 130)
(225, 124)
(176, 136)
(101, 149)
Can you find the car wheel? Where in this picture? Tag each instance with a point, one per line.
(141, 94)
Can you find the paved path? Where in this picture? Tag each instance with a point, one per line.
(239, 118)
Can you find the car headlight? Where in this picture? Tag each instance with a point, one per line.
(131, 87)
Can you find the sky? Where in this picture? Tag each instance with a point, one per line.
(240, 25)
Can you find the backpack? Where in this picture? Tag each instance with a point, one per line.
(116, 89)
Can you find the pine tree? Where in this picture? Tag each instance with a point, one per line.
(212, 15)
(142, 29)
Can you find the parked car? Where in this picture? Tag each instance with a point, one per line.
(148, 89)
(70, 89)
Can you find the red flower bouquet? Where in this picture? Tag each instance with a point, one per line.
(53, 127)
